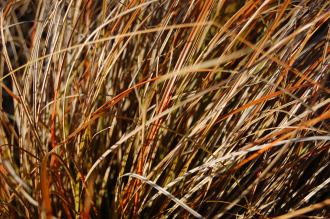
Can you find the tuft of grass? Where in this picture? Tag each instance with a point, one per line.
(164, 109)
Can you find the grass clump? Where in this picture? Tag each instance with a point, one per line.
(164, 109)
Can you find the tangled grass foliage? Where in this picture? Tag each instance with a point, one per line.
(164, 109)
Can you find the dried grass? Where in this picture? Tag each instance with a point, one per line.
(164, 109)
